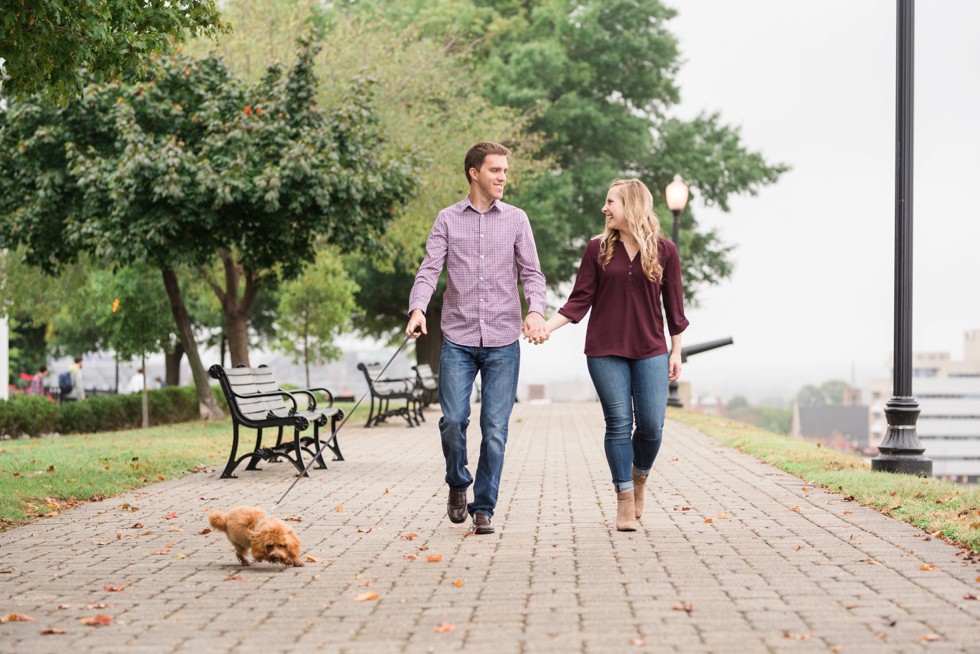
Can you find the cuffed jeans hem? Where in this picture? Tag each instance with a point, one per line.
(641, 473)
(624, 488)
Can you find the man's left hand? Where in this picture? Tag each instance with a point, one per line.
(534, 328)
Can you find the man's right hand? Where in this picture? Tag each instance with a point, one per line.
(416, 321)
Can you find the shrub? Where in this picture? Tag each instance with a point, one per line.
(28, 415)
(33, 416)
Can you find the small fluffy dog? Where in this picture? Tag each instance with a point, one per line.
(268, 538)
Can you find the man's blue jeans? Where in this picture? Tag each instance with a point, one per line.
(629, 388)
(498, 368)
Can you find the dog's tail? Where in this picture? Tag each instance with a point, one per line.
(217, 521)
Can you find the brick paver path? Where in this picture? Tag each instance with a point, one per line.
(556, 577)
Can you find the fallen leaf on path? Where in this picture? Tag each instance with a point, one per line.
(368, 583)
(292, 518)
(445, 628)
(787, 634)
(723, 516)
(969, 596)
(171, 516)
(434, 558)
(162, 552)
(459, 584)
(410, 557)
(340, 508)
(206, 531)
(98, 605)
(930, 637)
(362, 530)
(138, 525)
(794, 508)
(99, 620)
(850, 606)
(927, 566)
(708, 520)
(797, 547)
(848, 512)
(234, 578)
(638, 642)
(805, 489)
(16, 617)
(313, 559)
(410, 536)
(114, 589)
(687, 607)
(367, 597)
(52, 630)
(64, 606)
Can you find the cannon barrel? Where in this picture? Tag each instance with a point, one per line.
(698, 348)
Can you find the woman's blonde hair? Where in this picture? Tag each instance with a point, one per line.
(643, 224)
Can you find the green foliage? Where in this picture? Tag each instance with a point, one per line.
(47, 43)
(830, 393)
(27, 415)
(314, 309)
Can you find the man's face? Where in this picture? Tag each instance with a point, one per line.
(492, 176)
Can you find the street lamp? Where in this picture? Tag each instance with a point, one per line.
(676, 194)
(902, 451)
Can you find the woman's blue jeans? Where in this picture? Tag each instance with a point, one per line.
(498, 368)
(628, 389)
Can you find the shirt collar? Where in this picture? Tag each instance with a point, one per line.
(493, 205)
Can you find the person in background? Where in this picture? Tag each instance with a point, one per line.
(77, 392)
(159, 383)
(136, 382)
(625, 274)
(37, 383)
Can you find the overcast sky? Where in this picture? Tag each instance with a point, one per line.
(812, 85)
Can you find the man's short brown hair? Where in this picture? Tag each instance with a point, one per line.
(476, 155)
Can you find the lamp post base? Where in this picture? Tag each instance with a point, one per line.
(673, 396)
(902, 451)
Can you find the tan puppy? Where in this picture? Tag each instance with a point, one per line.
(267, 538)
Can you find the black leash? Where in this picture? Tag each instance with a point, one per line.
(344, 421)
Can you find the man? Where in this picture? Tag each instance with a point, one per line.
(484, 244)
(77, 392)
(37, 382)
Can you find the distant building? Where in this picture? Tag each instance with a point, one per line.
(948, 393)
(840, 427)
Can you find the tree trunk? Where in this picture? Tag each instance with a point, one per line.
(146, 401)
(172, 362)
(428, 348)
(205, 398)
(306, 346)
(237, 310)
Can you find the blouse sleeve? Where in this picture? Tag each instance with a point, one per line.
(672, 289)
(580, 300)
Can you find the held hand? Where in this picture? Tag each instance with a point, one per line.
(674, 366)
(534, 328)
(416, 325)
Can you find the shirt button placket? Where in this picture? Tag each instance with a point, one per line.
(480, 288)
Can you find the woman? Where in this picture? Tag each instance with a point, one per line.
(623, 276)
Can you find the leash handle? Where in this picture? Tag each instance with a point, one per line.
(344, 421)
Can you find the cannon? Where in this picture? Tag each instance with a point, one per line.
(673, 398)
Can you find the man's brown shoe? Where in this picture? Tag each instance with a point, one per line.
(457, 506)
(481, 522)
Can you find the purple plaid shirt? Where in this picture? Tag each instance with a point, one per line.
(483, 254)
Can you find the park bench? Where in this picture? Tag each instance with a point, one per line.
(386, 389)
(428, 381)
(256, 401)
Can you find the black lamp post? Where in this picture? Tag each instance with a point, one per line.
(902, 451)
(676, 194)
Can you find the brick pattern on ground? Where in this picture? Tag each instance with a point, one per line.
(776, 569)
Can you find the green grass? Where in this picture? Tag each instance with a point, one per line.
(943, 509)
(42, 476)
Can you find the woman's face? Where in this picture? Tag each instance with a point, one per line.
(614, 211)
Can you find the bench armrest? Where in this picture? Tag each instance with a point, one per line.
(278, 393)
(311, 393)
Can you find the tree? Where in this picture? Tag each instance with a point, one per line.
(195, 166)
(47, 44)
(424, 100)
(597, 80)
(314, 309)
(830, 393)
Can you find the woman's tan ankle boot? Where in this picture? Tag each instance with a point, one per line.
(639, 486)
(625, 512)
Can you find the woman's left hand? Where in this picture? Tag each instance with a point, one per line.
(674, 366)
